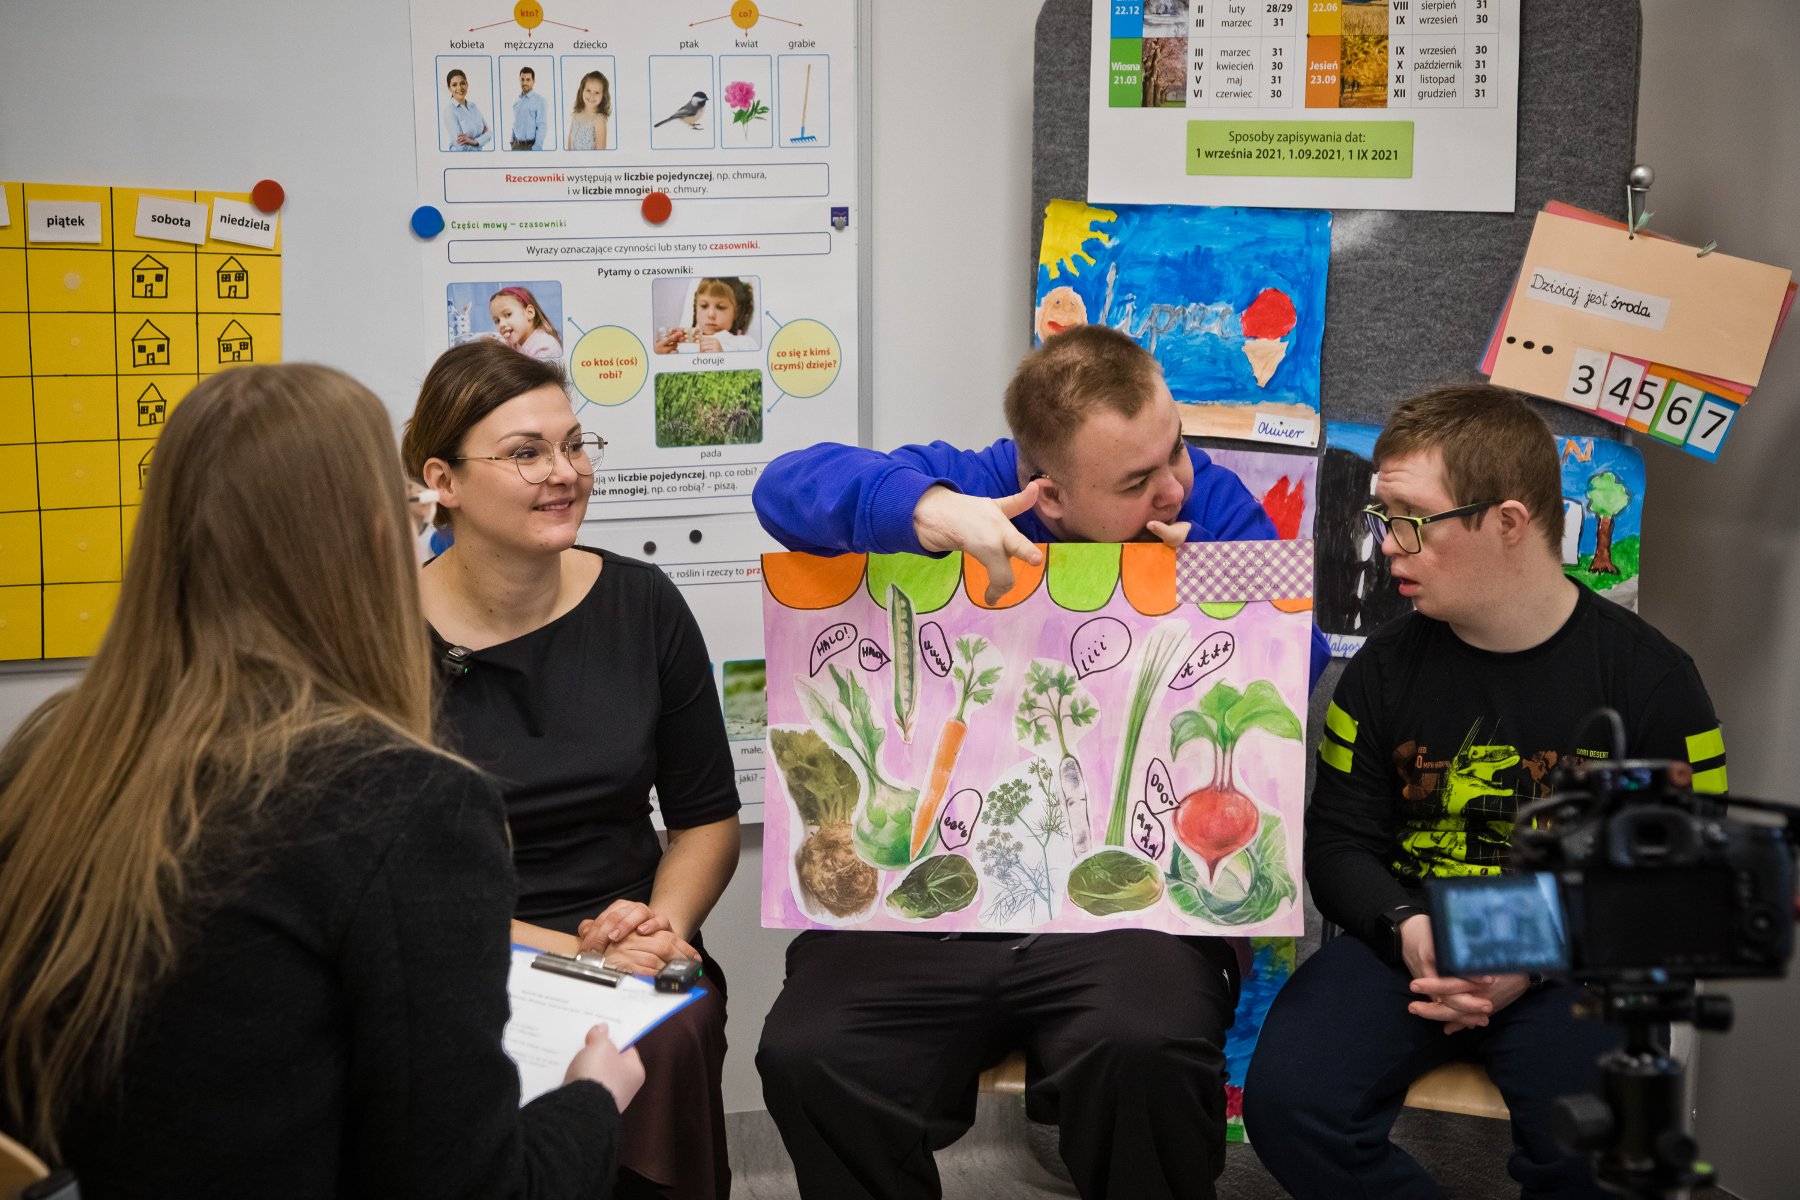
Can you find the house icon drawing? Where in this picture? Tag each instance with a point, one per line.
(149, 279)
(149, 347)
(234, 344)
(152, 408)
(234, 280)
(144, 467)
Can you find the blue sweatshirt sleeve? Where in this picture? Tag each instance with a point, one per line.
(1222, 509)
(832, 499)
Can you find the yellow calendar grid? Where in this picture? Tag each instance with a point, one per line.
(99, 342)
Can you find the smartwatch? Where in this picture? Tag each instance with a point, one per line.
(1391, 920)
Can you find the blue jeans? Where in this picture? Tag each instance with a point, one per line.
(1339, 1050)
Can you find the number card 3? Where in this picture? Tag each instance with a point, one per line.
(1585, 378)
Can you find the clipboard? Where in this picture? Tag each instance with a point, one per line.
(557, 998)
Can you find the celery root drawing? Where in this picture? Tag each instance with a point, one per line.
(882, 831)
(823, 787)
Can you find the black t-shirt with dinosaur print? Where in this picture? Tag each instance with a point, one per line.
(1431, 745)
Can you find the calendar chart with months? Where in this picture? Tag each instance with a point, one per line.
(1398, 104)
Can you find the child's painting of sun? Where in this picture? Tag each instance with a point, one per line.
(1231, 301)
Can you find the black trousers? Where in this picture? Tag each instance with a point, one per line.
(1338, 1051)
(870, 1056)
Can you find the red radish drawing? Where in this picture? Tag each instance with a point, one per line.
(1216, 821)
(1269, 318)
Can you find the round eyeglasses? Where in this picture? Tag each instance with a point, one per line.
(536, 459)
(1409, 532)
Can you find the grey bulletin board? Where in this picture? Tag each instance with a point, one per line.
(1411, 297)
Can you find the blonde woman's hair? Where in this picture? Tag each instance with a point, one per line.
(269, 608)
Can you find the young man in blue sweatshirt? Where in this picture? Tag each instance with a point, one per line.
(870, 1056)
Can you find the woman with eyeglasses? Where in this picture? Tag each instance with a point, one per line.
(253, 922)
(579, 679)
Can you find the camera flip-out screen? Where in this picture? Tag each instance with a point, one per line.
(1498, 926)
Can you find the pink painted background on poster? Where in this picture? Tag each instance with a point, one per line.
(1269, 645)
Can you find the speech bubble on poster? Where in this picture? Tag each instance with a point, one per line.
(609, 365)
(830, 643)
(804, 358)
(1099, 645)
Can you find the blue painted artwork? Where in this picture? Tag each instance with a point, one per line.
(1603, 514)
(1271, 965)
(1354, 594)
(1231, 301)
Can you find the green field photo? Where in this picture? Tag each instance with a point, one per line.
(746, 701)
(709, 408)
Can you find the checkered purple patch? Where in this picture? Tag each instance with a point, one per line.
(1223, 572)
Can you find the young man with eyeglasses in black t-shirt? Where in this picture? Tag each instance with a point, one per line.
(1445, 722)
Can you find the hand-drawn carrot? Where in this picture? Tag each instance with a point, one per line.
(977, 689)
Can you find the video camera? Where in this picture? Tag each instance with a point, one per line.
(1626, 881)
(1623, 873)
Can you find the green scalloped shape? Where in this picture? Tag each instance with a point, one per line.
(1083, 575)
(1224, 610)
(928, 582)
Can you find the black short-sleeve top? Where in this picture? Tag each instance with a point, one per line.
(577, 721)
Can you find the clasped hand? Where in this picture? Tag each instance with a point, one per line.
(632, 937)
(1459, 1003)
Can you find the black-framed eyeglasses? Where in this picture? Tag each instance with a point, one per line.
(1409, 532)
(536, 459)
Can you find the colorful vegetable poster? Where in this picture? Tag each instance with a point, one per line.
(1231, 301)
(1117, 743)
(663, 198)
(1403, 104)
(1603, 504)
(114, 303)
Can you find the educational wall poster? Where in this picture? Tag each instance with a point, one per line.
(1286, 485)
(1603, 505)
(662, 197)
(1401, 104)
(1642, 331)
(114, 303)
(1117, 742)
(1231, 301)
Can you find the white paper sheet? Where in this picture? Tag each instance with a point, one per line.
(551, 1016)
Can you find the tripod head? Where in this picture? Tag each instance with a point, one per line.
(1634, 1128)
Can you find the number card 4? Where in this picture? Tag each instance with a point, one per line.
(1619, 391)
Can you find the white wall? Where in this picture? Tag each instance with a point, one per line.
(952, 135)
(1719, 119)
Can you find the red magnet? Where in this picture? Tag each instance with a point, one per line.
(657, 207)
(267, 196)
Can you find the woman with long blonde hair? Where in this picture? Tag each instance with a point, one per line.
(253, 925)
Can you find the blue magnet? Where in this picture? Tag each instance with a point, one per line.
(427, 221)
